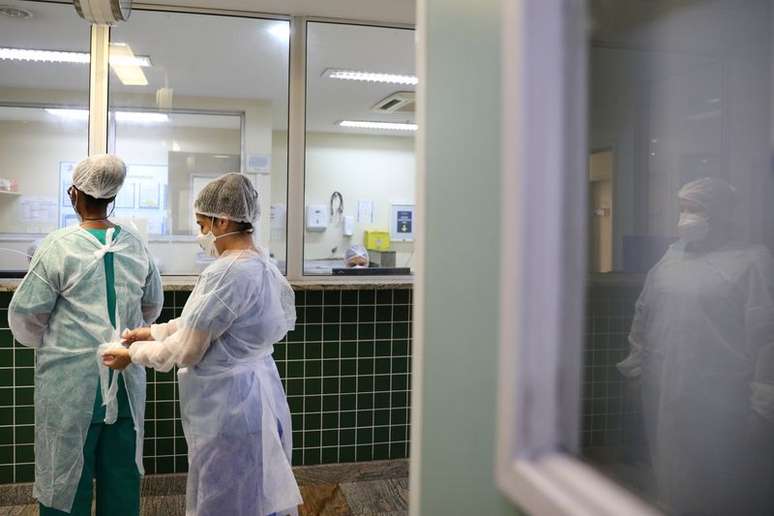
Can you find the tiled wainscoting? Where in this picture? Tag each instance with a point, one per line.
(346, 370)
(610, 415)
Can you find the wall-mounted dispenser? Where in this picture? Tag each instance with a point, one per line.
(349, 225)
(316, 217)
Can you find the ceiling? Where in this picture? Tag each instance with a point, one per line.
(352, 47)
(240, 58)
(384, 11)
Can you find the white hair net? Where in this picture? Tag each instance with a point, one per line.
(100, 176)
(714, 195)
(356, 251)
(231, 196)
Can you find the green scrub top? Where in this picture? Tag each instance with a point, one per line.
(110, 285)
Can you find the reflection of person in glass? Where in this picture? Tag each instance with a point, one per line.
(702, 346)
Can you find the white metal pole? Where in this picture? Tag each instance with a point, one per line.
(98, 89)
(296, 149)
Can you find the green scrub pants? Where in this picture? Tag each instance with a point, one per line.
(108, 457)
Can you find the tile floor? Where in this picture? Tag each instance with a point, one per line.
(375, 489)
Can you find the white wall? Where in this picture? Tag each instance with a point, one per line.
(257, 132)
(361, 167)
(30, 152)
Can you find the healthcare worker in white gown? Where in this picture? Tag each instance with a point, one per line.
(235, 415)
(702, 348)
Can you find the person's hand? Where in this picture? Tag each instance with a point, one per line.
(117, 358)
(130, 336)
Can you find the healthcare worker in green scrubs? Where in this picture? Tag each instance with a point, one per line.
(85, 284)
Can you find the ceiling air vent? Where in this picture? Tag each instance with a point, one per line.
(400, 102)
(15, 12)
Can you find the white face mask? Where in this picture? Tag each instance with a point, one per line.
(207, 242)
(692, 227)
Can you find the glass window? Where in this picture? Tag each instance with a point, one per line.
(360, 170)
(185, 109)
(44, 98)
(679, 362)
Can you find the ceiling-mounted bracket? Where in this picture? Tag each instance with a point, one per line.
(103, 12)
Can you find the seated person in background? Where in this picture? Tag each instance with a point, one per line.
(356, 257)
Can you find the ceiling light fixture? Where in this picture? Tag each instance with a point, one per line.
(70, 114)
(389, 78)
(43, 56)
(141, 117)
(126, 65)
(60, 56)
(280, 30)
(389, 126)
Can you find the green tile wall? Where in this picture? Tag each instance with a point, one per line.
(346, 369)
(609, 418)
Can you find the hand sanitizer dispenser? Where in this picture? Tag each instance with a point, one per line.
(349, 225)
(316, 217)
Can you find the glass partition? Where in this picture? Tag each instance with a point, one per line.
(44, 98)
(679, 361)
(185, 109)
(360, 171)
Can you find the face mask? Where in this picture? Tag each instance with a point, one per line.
(207, 242)
(692, 227)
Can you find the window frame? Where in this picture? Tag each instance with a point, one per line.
(101, 82)
(296, 152)
(297, 146)
(544, 179)
(99, 125)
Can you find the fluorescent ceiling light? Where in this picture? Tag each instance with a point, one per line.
(351, 75)
(70, 114)
(280, 30)
(58, 56)
(43, 56)
(138, 117)
(126, 66)
(389, 126)
(141, 117)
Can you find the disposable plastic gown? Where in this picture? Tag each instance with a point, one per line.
(702, 344)
(235, 415)
(60, 308)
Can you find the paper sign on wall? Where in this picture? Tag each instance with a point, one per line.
(277, 216)
(258, 163)
(39, 214)
(365, 211)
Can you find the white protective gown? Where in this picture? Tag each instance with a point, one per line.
(702, 344)
(235, 415)
(60, 308)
